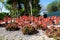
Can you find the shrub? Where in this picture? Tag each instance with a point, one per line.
(12, 26)
(53, 32)
(1, 16)
(29, 30)
(42, 27)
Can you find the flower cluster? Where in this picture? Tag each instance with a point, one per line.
(34, 21)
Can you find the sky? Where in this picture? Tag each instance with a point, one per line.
(45, 2)
(42, 3)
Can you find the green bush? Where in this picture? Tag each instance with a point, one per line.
(3, 14)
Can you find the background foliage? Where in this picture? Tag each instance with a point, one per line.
(54, 6)
(22, 7)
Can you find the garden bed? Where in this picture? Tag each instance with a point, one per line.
(31, 25)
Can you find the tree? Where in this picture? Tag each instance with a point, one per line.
(1, 1)
(54, 6)
(17, 4)
(36, 7)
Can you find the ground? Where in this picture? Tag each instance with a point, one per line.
(18, 35)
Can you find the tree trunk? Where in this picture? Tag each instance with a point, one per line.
(26, 9)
